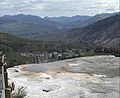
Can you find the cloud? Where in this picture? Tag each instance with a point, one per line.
(58, 7)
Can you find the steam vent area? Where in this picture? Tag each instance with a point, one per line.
(85, 77)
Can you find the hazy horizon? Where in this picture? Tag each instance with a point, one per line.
(57, 8)
(56, 16)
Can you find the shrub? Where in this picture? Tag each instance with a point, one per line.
(20, 93)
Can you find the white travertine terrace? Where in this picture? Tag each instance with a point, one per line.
(85, 77)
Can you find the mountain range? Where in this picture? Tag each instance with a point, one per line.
(103, 32)
(26, 25)
(65, 22)
(100, 29)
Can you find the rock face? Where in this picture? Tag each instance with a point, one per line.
(86, 77)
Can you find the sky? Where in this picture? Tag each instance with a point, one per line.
(56, 8)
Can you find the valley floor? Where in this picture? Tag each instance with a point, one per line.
(85, 77)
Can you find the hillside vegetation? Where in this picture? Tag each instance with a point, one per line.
(14, 46)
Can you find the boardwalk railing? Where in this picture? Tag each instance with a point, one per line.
(6, 93)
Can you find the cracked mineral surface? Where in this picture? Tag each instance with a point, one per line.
(85, 77)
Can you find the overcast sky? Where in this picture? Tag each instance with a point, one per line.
(58, 7)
